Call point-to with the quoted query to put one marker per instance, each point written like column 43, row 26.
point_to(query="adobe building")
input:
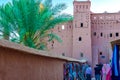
column 88, row 36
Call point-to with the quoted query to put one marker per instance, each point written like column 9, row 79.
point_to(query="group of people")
column 101, row 71
column 73, row 71
column 76, row 71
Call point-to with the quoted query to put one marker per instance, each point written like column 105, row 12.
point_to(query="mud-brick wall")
column 19, row 65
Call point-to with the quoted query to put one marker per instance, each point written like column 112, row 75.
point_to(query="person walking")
column 84, row 67
column 97, row 72
column 88, row 73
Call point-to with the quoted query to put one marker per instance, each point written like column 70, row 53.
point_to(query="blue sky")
column 97, row 6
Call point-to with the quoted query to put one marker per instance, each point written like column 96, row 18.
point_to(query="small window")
column 117, row 34
column 52, row 46
column 80, row 39
column 75, row 26
column 81, row 24
column 63, row 27
column 86, row 6
column 110, row 34
column 63, row 54
column 100, row 53
column 101, row 34
column 94, row 33
column 53, row 42
column 76, row 6
column 81, row 54
column 58, row 29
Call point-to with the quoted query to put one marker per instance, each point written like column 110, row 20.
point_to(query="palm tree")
column 5, row 19
column 29, row 22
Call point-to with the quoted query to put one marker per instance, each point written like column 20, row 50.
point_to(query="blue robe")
column 115, row 63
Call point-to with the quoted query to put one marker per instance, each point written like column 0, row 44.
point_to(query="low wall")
column 18, row 62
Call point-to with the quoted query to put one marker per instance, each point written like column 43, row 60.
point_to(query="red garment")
column 108, row 76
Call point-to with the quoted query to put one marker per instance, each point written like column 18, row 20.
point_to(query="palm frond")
column 53, row 36
column 57, row 9
column 26, row 22
column 47, row 3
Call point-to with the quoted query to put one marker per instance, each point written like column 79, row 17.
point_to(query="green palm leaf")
column 29, row 22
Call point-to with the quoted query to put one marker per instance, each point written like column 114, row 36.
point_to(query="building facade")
column 88, row 36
